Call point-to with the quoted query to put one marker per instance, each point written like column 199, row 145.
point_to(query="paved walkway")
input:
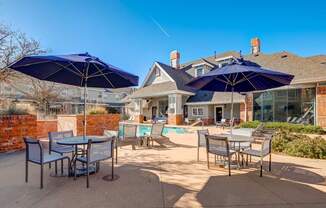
column 168, row 177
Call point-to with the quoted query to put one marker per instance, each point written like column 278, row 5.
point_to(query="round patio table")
column 82, row 140
column 234, row 138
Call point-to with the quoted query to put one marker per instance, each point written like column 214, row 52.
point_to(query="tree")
column 13, row 46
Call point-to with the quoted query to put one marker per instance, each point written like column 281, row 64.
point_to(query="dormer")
column 220, row 62
column 201, row 68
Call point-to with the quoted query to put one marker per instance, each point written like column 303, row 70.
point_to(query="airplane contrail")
column 160, row 27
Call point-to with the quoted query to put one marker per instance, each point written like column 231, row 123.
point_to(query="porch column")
column 139, row 116
column 175, row 115
column 321, row 106
column 246, row 108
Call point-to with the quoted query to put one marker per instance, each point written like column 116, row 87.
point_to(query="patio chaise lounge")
column 95, row 153
column 35, row 154
column 129, row 136
column 157, row 135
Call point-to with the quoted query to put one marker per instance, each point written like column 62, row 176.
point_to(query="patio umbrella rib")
column 105, row 77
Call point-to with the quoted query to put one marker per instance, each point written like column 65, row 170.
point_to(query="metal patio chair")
column 54, row 137
column 219, row 146
column 129, row 136
column 115, row 135
column 156, row 135
column 201, row 140
column 265, row 150
column 95, row 153
column 36, row 155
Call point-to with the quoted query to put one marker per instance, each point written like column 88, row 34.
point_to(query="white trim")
column 218, row 106
column 151, row 71
column 203, row 63
column 225, row 57
column 211, row 103
column 166, row 93
column 196, row 73
column 197, row 108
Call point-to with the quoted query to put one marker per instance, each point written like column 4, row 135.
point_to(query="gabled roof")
column 179, row 79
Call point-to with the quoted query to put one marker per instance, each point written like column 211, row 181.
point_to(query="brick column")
column 175, row 114
column 246, row 109
column 321, row 106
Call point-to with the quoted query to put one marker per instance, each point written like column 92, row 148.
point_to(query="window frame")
column 199, row 68
column 196, row 110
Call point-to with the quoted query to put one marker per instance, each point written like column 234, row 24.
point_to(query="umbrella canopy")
column 81, row 70
column 240, row 77
column 75, row 69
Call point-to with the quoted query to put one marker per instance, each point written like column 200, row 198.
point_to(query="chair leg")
column 62, row 167
column 87, row 179
column 207, row 160
column 26, row 171
column 112, row 169
column 49, row 165
column 198, row 154
column 75, row 170
column 261, row 167
column 116, row 154
column 229, row 164
column 69, row 166
column 41, row 176
column 56, row 167
column 270, row 162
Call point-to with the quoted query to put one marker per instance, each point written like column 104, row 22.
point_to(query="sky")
column 134, row 34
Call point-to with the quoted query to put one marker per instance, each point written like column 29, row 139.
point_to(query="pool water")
column 143, row 130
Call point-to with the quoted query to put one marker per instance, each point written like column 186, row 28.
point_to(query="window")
column 197, row 111
column 157, row 72
column 292, row 105
column 199, row 71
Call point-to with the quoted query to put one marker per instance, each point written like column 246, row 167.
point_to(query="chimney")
column 255, row 46
column 175, row 59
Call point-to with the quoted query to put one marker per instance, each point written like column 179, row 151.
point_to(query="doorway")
column 218, row 113
column 154, row 112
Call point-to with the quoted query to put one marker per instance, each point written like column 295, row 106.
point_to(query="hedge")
column 297, row 128
column 299, row 145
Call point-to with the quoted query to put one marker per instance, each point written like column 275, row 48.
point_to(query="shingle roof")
column 215, row 97
column 180, row 77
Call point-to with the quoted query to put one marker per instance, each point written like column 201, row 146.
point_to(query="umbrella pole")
column 85, row 98
column 232, row 120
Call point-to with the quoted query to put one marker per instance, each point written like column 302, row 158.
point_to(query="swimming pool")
column 146, row 130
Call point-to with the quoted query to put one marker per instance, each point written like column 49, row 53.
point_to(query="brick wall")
column 12, row 130
column 45, row 126
column 96, row 124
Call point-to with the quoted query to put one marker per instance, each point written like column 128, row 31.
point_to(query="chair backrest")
column 266, row 146
column 129, row 130
column 218, row 143
column 54, row 137
column 111, row 133
column 34, row 150
column 157, row 129
column 201, row 137
column 257, row 131
column 100, row 151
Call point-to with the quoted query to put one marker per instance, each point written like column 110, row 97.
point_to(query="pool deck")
column 168, row 177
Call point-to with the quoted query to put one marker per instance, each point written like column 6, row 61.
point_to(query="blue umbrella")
column 81, row 70
column 240, row 77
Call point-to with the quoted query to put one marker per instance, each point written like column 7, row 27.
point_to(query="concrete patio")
column 168, row 177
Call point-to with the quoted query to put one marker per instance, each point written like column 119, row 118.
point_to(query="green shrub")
column 97, row 110
column 299, row 145
column 297, row 128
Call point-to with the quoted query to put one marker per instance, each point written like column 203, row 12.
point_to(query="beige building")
column 164, row 94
